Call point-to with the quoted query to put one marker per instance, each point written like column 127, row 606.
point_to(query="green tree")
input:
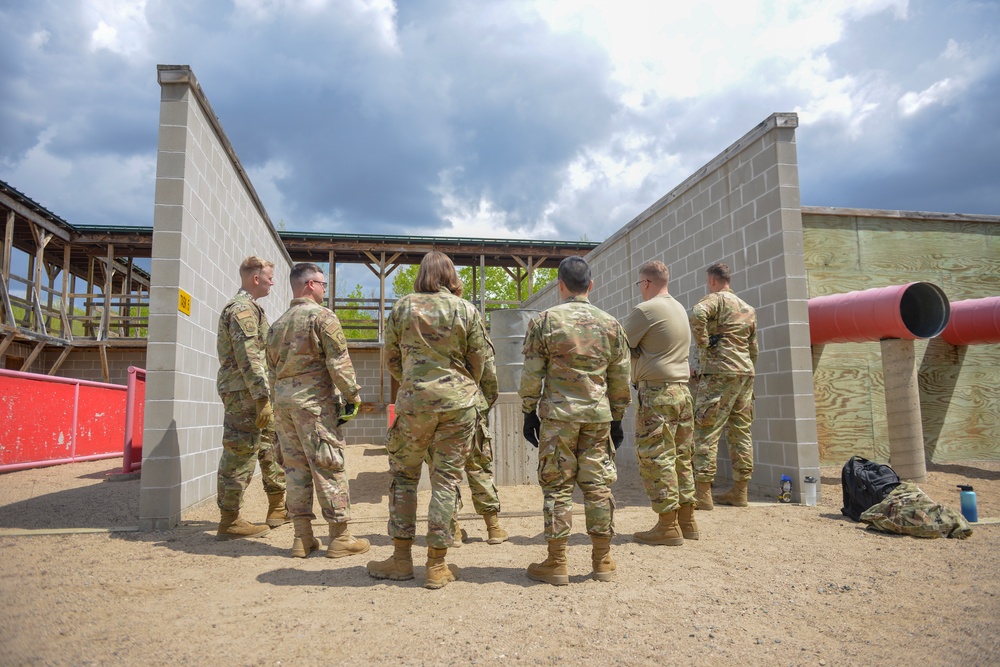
column 499, row 285
column 358, row 322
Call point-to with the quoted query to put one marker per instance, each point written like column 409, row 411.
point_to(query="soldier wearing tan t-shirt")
column 659, row 337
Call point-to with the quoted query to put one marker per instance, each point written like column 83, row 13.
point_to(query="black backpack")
column 865, row 483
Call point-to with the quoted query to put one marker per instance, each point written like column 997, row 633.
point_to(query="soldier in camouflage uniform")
column 724, row 329
column 659, row 338
column 436, row 348
column 574, row 391
column 315, row 391
column 479, row 465
column 247, row 431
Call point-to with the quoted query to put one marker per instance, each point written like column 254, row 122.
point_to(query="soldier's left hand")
column 617, row 434
column 264, row 413
column 351, row 411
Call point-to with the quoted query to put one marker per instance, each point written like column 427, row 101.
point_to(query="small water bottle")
column 809, row 492
column 785, row 490
column 968, row 499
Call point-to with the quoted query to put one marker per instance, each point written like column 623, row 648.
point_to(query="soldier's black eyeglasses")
column 641, row 282
column 319, row 282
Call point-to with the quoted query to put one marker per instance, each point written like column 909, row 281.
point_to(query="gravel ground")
column 769, row 584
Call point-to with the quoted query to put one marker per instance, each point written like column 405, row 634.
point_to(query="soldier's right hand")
column 264, row 413
column 532, row 426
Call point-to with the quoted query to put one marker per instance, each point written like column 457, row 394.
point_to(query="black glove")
column 532, row 426
column 714, row 339
column 617, row 434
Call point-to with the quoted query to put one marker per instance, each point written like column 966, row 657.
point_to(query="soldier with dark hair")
column 724, row 329
column 315, row 393
column 247, row 431
column 574, row 392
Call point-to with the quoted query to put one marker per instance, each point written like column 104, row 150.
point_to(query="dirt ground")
column 770, row 584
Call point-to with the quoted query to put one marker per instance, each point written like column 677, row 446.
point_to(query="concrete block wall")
column 207, row 218
column 741, row 208
column 370, row 426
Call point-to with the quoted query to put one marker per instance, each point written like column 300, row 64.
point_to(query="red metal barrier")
column 47, row 420
column 974, row 322
column 135, row 417
column 908, row 312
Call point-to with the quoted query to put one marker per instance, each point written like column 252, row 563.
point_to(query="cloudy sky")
column 549, row 119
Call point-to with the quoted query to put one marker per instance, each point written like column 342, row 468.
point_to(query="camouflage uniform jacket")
column 576, row 364
column 436, row 347
column 242, row 335
column 308, row 359
column 731, row 323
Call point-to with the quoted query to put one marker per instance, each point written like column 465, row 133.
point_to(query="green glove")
column 264, row 413
column 351, row 411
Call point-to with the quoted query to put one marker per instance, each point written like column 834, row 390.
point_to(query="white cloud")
column 475, row 216
column 39, row 39
column 674, row 50
column 99, row 189
column 119, row 25
column 940, row 92
column 375, row 16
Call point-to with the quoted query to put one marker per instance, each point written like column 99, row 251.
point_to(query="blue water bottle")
column 968, row 499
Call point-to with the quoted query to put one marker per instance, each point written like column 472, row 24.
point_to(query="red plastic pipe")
column 908, row 312
column 973, row 322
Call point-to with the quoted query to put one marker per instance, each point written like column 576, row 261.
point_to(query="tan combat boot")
column 494, row 533
column 604, row 565
column 304, row 542
column 703, row 496
column 459, row 536
column 398, row 566
column 342, row 543
column 231, row 527
column 666, row 532
column 438, row 573
column 277, row 515
column 689, row 527
column 736, row 496
column 553, row 569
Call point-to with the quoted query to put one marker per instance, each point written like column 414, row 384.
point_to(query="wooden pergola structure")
column 74, row 287
column 384, row 254
column 69, row 287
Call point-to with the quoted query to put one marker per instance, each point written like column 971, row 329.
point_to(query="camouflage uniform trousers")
column 577, row 452
column 243, row 445
column 664, row 445
column 479, row 471
column 312, row 449
column 447, row 438
column 723, row 401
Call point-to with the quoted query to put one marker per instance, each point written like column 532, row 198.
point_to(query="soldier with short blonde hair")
column 659, row 337
column 242, row 383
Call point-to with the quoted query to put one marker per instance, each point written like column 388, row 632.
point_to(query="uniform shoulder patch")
column 247, row 322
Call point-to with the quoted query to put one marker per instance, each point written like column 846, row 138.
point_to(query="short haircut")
column 302, row 273
column 437, row 271
column 720, row 271
column 656, row 272
column 254, row 264
column 574, row 272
